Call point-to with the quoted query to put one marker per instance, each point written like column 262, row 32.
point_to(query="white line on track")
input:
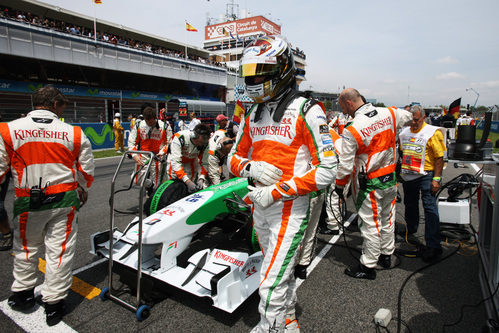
column 34, row 321
column 326, row 249
column 84, row 268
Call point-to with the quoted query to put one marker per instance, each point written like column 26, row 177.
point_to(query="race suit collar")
column 364, row 108
column 42, row 113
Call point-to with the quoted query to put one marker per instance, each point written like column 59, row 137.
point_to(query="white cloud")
column 487, row 84
column 447, row 60
column 450, row 76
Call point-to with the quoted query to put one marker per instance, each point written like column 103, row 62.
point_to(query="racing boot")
column 361, row 272
column 301, row 271
column 6, row 241
column 385, row 261
column 292, row 325
column 54, row 312
column 22, row 300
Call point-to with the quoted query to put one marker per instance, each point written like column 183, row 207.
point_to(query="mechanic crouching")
column 368, row 145
column 220, row 146
column 187, row 161
column 280, row 134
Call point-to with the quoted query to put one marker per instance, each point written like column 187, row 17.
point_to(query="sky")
column 394, row 51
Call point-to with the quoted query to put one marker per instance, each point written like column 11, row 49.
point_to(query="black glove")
column 339, row 192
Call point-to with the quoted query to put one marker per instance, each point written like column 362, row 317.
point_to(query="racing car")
column 152, row 245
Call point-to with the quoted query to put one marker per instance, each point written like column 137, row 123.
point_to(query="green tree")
column 481, row 108
column 328, row 105
column 381, row 105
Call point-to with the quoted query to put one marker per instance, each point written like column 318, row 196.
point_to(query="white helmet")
column 269, row 57
column 117, row 115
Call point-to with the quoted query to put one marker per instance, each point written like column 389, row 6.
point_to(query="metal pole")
column 95, row 23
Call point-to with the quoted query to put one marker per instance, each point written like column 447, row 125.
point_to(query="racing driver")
column 280, row 134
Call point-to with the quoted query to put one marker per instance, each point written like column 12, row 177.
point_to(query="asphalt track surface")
column 328, row 300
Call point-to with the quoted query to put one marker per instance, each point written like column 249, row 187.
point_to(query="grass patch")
column 105, row 153
column 493, row 137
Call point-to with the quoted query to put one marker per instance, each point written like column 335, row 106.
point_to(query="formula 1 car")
column 227, row 277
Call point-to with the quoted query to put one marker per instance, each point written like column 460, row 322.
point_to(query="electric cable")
column 341, row 208
column 127, row 189
column 461, row 316
column 401, row 290
column 471, row 305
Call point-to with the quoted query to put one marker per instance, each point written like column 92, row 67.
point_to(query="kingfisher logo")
column 283, row 130
column 366, row 131
column 229, row 259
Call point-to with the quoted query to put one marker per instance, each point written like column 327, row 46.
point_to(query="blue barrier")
column 101, row 134
column 494, row 127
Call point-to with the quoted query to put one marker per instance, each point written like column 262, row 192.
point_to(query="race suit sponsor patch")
column 326, row 139
column 323, row 129
column 328, row 151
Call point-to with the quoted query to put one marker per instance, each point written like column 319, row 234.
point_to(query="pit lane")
column 327, row 301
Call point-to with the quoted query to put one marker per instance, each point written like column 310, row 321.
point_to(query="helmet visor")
column 257, row 66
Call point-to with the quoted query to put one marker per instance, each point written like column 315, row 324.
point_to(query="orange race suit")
column 368, row 149
column 42, row 150
column 289, row 143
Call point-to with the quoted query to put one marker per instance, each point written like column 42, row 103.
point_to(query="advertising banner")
column 239, row 28
column 101, row 134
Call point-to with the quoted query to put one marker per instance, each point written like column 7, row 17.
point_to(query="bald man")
column 368, row 145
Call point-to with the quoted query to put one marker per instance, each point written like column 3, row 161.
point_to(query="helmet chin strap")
column 276, row 105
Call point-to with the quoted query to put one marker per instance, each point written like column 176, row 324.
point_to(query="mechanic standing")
column 52, row 168
column 118, row 131
column 369, row 147
column 186, row 160
column 280, row 134
column 150, row 135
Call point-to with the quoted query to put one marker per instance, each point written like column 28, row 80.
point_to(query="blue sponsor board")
column 494, row 127
column 101, row 134
column 31, row 87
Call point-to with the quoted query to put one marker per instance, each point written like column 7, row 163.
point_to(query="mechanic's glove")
column 82, row 195
column 262, row 196
column 201, row 184
column 191, row 187
column 262, row 172
column 267, row 195
column 161, row 158
column 339, row 192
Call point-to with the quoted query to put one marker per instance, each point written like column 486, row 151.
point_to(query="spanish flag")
column 238, row 112
column 99, row 2
column 189, row 27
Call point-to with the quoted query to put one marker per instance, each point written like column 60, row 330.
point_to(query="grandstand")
column 115, row 70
